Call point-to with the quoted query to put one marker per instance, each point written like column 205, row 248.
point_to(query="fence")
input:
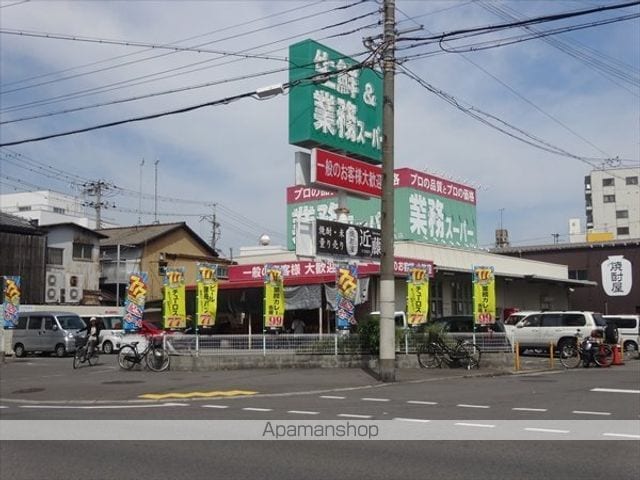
column 315, row 344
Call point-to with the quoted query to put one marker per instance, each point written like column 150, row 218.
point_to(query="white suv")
column 542, row 329
column 628, row 330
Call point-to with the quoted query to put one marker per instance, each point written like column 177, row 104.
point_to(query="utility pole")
column 215, row 227
column 155, row 210
column 387, row 280
column 140, row 195
column 95, row 189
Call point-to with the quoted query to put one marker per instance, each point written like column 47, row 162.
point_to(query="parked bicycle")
column 82, row 353
column 463, row 354
column 154, row 355
column 586, row 352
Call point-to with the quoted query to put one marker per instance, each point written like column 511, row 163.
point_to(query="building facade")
column 612, row 203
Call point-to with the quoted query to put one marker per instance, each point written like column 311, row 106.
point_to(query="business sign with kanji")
column 343, row 173
column 346, row 288
column 417, row 296
column 10, row 300
column 334, row 103
column 342, row 239
column 175, row 310
column 273, row 297
column 135, row 301
column 207, row 284
column 617, row 276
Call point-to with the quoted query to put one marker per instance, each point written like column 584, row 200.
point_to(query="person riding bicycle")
column 93, row 334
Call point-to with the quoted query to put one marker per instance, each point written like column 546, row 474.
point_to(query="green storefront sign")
column 419, row 216
column 342, row 111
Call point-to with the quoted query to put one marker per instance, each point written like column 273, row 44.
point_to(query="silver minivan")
column 46, row 332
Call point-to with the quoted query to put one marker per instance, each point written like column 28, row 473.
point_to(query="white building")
column 47, row 208
column 612, row 201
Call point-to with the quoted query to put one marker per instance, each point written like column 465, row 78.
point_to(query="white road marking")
column 215, row 406
column 332, row 397
column 586, row 412
column 420, row 402
column 623, row 435
column 546, row 430
column 104, row 407
column 419, row 420
column 352, row 415
column 302, row 412
column 482, row 425
column 525, row 409
column 369, row 399
column 464, row 405
column 250, row 409
column 614, row 390
column 3, row 406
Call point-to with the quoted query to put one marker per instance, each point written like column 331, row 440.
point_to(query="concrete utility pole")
column 387, row 280
column 95, row 189
column 155, row 195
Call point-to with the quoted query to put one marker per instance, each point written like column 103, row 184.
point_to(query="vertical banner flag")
column 484, row 295
column 417, row 296
column 11, row 301
column 207, row 283
column 175, row 309
column 134, row 303
column 273, row 297
column 347, row 286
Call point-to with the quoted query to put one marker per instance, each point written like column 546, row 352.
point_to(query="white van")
column 628, row 330
column 399, row 317
column 46, row 332
column 111, row 332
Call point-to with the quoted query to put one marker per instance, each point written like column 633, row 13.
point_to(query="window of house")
column 631, row 180
column 24, row 209
column 578, row 274
column 609, row 198
column 461, row 298
column 82, row 251
column 622, row 213
column 58, row 210
column 54, row 256
column 623, row 230
column 607, row 182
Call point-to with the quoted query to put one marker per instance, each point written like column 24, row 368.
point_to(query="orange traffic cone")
column 617, row 355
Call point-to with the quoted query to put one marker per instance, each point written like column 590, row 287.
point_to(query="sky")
column 78, row 64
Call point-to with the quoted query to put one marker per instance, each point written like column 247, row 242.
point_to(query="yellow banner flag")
column 484, row 295
column 273, row 298
column 207, row 283
column 417, row 296
column 175, row 311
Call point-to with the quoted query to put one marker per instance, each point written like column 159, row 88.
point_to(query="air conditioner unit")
column 73, row 288
column 52, row 287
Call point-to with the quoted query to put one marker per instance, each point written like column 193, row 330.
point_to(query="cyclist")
column 93, row 334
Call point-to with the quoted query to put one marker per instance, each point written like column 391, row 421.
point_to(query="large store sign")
column 617, row 276
column 343, row 173
column 428, row 209
column 341, row 239
column 332, row 104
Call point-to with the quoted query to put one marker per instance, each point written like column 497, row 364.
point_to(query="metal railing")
column 314, row 344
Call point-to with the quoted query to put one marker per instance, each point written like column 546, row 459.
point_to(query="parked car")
column 513, row 319
column 541, row 330
column 628, row 329
column 46, row 332
column 111, row 332
column 400, row 318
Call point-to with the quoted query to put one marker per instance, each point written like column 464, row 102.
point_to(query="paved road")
column 554, row 406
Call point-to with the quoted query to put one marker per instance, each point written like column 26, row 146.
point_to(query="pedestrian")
column 297, row 326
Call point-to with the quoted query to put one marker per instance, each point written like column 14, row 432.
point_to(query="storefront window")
column 435, row 294
column 461, row 299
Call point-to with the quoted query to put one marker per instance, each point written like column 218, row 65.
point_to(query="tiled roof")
column 12, row 223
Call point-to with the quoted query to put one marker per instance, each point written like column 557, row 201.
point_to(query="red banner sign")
column 337, row 171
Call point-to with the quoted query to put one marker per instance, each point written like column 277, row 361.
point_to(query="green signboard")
column 341, row 111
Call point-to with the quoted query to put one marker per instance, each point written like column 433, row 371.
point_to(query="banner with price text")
column 134, row 303
column 273, row 297
column 207, row 283
column 417, row 296
column 484, row 295
column 175, row 309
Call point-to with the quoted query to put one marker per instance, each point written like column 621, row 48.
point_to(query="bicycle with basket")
column 81, row 354
column 437, row 352
column 155, row 356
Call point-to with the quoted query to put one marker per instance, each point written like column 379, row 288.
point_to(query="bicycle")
column 437, row 352
column 81, row 354
column 155, row 356
column 585, row 352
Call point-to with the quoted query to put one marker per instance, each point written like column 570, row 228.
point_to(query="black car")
column 464, row 324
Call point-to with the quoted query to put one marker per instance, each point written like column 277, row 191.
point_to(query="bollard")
column 551, row 355
column 517, row 357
